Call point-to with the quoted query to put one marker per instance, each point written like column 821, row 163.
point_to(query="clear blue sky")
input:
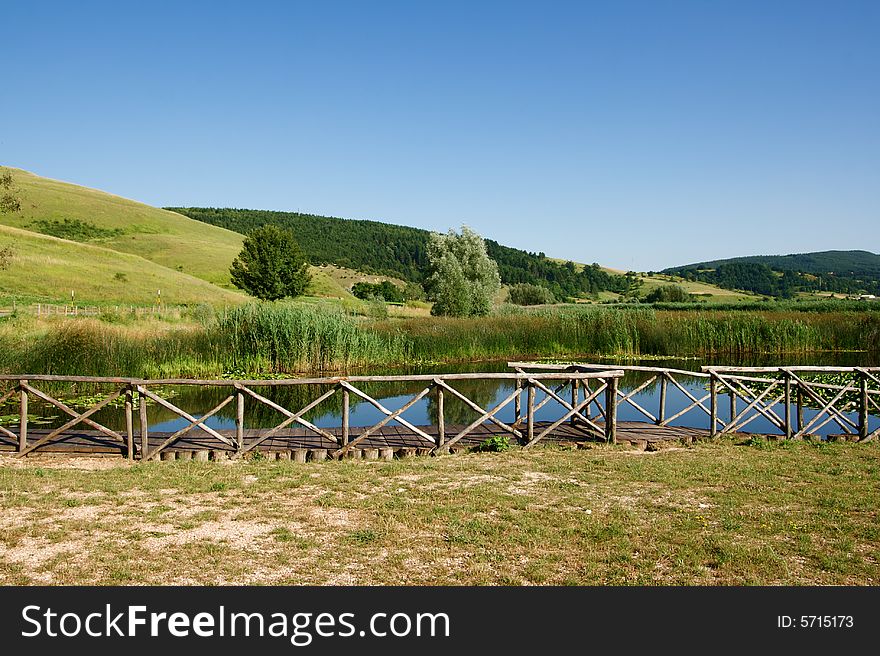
column 635, row 134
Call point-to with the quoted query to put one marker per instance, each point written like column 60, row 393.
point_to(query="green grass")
column 166, row 238
column 46, row 269
column 300, row 337
column 713, row 514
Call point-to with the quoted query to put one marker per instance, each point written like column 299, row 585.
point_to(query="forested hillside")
column 849, row 272
column 401, row 251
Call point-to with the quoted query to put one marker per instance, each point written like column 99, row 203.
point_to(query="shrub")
column 528, row 294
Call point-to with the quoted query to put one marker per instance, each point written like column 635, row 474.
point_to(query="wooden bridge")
column 586, row 398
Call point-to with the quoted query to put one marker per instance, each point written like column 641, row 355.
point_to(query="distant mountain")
column 849, row 272
column 401, row 251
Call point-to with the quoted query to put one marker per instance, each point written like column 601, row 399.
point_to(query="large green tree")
column 271, row 265
column 462, row 279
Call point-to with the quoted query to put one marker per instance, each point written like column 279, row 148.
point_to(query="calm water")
column 198, row 401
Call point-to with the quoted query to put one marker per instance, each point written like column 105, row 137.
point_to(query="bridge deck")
column 78, row 441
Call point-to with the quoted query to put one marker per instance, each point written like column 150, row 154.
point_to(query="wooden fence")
column 600, row 386
column 761, row 390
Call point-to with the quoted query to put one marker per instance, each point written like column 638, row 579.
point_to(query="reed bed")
column 289, row 338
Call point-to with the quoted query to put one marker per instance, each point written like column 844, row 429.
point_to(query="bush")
column 528, row 294
column 383, row 291
column 668, row 294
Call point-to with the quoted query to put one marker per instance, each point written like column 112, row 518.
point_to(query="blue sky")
column 635, row 134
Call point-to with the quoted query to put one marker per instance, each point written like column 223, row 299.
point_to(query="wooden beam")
column 611, row 411
column 129, row 423
column 23, row 417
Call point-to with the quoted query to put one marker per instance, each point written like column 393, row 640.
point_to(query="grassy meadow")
column 719, row 513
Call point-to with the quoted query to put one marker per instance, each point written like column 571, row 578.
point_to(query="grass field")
column 703, row 291
column 166, row 238
column 716, row 513
column 46, row 269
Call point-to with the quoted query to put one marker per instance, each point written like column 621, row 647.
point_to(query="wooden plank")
column 585, row 365
column 142, row 412
column 345, row 416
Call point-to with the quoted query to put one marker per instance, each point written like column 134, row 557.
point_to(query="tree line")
column 401, row 251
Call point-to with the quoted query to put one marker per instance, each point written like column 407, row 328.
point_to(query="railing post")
column 441, row 418
column 142, row 413
column 800, row 408
column 345, row 416
column 732, row 408
column 575, row 397
column 129, row 423
column 239, row 419
column 587, row 392
column 530, row 433
column 661, row 415
column 863, row 407
column 517, row 402
column 713, row 405
column 787, row 405
column 23, row 417
column 611, row 411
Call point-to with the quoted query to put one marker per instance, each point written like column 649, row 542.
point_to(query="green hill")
column 47, row 269
column 401, row 251
column 88, row 215
column 847, row 272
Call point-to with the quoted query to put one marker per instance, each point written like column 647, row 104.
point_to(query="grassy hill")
column 71, row 237
column 171, row 240
column 46, row 269
column 823, row 272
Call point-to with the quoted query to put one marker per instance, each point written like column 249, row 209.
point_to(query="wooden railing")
column 762, row 390
column 140, row 391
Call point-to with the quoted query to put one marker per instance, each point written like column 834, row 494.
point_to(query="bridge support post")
column 129, row 423
column 863, row 406
column 661, row 415
column 713, row 405
column 441, row 419
column 530, row 434
column 23, row 418
column 239, row 420
column 345, row 416
column 787, row 406
column 575, row 397
column 611, row 411
column 145, row 438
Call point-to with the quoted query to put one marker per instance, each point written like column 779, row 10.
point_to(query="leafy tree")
column 385, row 291
column 668, row 294
column 526, row 294
column 8, row 200
column 270, row 265
column 462, row 278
